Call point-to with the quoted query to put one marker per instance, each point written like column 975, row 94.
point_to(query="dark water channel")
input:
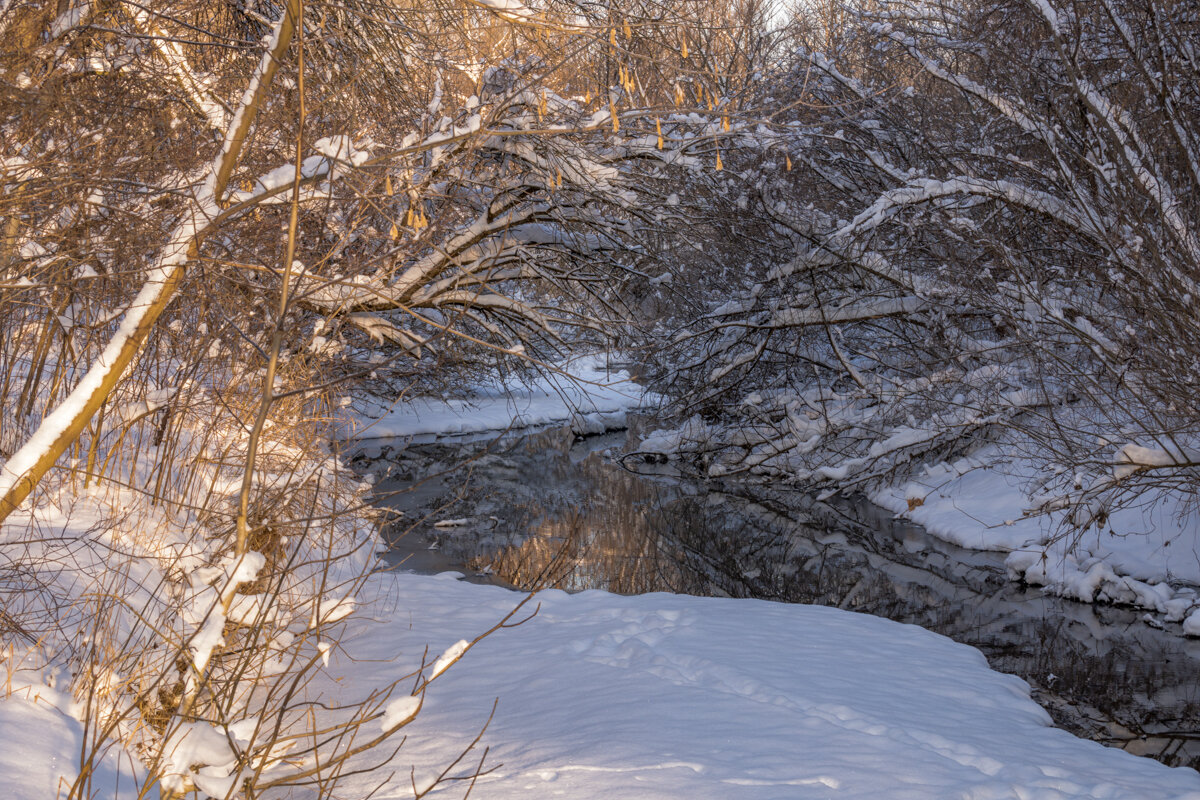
column 545, row 511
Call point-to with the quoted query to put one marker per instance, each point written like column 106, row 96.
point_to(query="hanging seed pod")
column 658, row 130
column 683, row 51
column 387, row 185
column 678, row 95
column 628, row 32
column 394, row 233
column 725, row 123
column 720, row 166
column 612, row 36
column 787, row 161
column 612, row 110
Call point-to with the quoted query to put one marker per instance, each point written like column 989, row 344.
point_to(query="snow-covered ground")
column 1147, row 555
column 39, row 759
column 584, row 393
column 666, row 696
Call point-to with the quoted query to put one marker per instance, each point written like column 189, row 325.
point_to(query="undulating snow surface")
column 666, row 696
column 585, row 394
column 39, row 758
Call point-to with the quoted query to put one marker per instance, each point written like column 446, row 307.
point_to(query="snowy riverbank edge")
column 667, row 696
column 1146, row 556
column 585, row 392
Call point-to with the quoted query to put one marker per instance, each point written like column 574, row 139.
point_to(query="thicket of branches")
column 982, row 226
column 219, row 220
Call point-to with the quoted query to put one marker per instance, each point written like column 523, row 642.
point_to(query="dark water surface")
column 542, row 511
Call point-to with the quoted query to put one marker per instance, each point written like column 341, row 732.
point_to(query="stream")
column 544, row 510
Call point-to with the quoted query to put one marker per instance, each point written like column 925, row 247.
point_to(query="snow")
column 582, row 393
column 668, row 696
column 670, row 442
column 1133, row 458
column 1146, row 555
column 55, row 426
column 665, row 696
column 191, row 744
column 210, row 636
column 69, row 19
column 40, row 756
column 453, row 653
column 54, row 433
column 400, row 710
column 332, row 609
column 510, row 9
column 245, row 569
column 660, row 696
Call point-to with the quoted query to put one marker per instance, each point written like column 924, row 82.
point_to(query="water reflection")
column 540, row 511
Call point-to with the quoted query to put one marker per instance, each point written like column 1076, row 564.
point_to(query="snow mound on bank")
column 585, row 394
column 666, row 696
column 1146, row 555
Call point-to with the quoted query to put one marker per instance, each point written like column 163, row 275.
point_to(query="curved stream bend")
column 541, row 511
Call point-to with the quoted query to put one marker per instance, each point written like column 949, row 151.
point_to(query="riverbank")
column 1145, row 555
column 665, row 696
column 590, row 393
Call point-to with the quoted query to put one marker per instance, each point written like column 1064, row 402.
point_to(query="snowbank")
column 666, row 696
column 585, row 394
column 40, row 756
column 1146, row 556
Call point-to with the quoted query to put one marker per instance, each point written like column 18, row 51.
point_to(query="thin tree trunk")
column 25, row 469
